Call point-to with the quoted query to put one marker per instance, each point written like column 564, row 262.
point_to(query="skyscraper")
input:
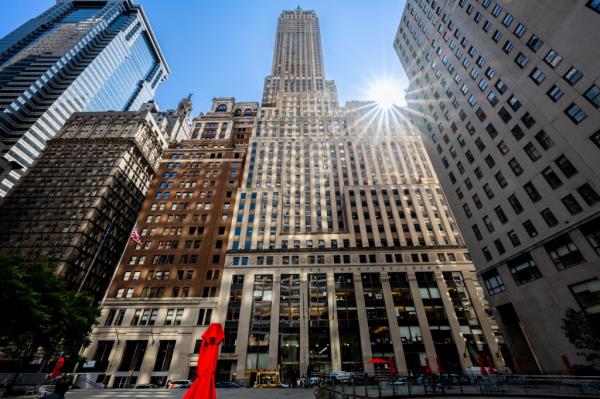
column 77, row 56
column 342, row 246
column 77, row 203
column 165, row 290
column 508, row 104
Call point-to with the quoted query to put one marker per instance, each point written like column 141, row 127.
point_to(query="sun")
column 386, row 93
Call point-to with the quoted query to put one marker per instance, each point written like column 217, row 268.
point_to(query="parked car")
column 176, row 384
column 144, row 386
column 340, row 376
column 401, row 381
column 228, row 384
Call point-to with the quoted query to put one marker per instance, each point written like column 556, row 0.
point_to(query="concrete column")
column 148, row 362
column 484, row 321
column 303, row 324
column 365, row 338
column 220, row 312
column 393, row 324
column 115, row 358
column 274, row 329
column 241, row 346
column 334, row 333
column 459, row 341
column 423, row 323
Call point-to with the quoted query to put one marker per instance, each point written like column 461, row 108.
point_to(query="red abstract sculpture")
column 203, row 386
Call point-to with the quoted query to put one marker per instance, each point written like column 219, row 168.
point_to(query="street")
column 178, row 393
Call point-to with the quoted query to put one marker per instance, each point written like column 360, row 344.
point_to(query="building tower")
column 342, row 247
column 164, row 291
column 78, row 56
column 508, row 105
column 81, row 196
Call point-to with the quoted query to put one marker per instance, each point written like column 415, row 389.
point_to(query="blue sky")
column 225, row 48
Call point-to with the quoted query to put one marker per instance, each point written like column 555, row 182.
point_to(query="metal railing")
column 461, row 385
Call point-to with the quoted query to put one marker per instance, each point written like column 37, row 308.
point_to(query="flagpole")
column 89, row 269
column 117, row 267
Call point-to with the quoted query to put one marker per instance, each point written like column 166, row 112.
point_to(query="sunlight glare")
column 386, row 93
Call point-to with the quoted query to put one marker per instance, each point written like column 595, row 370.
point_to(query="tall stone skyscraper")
column 78, row 56
column 342, row 247
column 507, row 94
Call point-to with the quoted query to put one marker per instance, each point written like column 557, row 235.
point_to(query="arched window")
column 222, row 108
column 238, row 112
column 247, row 112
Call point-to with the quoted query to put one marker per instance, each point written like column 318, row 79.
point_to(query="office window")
column 499, row 246
column 515, row 166
column 519, row 30
column 552, row 178
column 544, row 140
column 537, row 75
column 589, row 195
column 486, row 253
column 521, row 60
column 503, row 148
column 591, row 231
column 530, row 228
column 516, row 205
column 564, row 252
column 487, row 26
column 501, row 179
column 573, row 75
column 496, row 36
column 555, row 93
column 524, row 269
column 497, row 10
column 507, row 20
column 552, row 58
column 477, row 232
column 533, row 193
column 587, row 293
column 595, row 138
column 535, row 43
column 501, row 86
column 514, row 102
column 508, row 46
column 532, row 152
column 493, row 282
column 501, row 215
column 514, row 238
column 517, row 132
column 575, row 113
column 504, row 115
column 593, row 95
column 571, row 204
column 549, row 217
column 565, row 166
column 528, row 120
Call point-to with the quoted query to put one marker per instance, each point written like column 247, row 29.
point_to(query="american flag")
column 135, row 235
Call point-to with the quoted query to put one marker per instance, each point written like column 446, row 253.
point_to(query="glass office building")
column 76, row 56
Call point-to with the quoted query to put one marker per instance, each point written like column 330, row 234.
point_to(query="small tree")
column 582, row 334
column 40, row 313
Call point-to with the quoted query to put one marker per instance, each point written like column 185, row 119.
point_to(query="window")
column 499, row 246
column 524, row 269
column 593, row 95
column 507, row 20
column 587, row 293
column 528, row 120
column 517, row 132
column 496, row 36
column 503, row 148
column 571, row 204
column 591, row 231
column 573, row 75
column 515, row 166
column 532, row 192
column 520, row 30
column 575, row 113
column 596, row 138
column 501, row 179
column 501, row 215
column 514, row 238
column 532, row 152
column 552, row 178
column 497, row 10
column 553, row 58
column 530, row 228
column 549, row 217
column 508, row 46
column 504, row 115
column 555, row 93
column 537, row 75
column 589, row 195
column 565, row 166
column 594, row 5
column 563, row 252
column 535, row 43
column 544, row 140
column 493, row 282
column 516, row 205
column 221, row 108
column 514, row 103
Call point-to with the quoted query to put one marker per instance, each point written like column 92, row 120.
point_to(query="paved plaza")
column 245, row 393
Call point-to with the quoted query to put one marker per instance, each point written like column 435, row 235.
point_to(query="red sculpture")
column 203, row 386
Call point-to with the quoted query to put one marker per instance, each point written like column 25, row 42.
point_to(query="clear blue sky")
column 225, row 48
